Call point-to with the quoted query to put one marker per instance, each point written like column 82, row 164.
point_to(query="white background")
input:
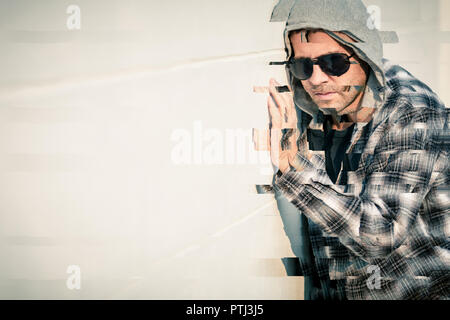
column 86, row 120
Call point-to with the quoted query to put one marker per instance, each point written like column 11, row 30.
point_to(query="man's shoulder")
column 408, row 98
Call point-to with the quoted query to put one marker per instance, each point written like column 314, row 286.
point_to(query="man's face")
column 330, row 92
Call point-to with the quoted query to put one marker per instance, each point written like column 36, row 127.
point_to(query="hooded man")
column 360, row 148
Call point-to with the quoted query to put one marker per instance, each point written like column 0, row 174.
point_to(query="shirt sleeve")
column 395, row 179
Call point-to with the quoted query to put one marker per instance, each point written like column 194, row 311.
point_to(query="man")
column 360, row 150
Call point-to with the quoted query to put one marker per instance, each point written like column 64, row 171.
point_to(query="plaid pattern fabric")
column 384, row 232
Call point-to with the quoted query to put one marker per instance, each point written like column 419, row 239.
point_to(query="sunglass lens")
column 334, row 64
column 302, row 69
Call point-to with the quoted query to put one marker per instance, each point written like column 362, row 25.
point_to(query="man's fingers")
column 285, row 103
column 261, row 140
column 290, row 107
column 292, row 113
column 278, row 98
column 275, row 136
column 285, row 95
column 274, row 113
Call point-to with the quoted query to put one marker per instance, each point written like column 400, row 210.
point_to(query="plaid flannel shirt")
column 383, row 233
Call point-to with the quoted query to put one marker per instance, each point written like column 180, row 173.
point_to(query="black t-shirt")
column 334, row 143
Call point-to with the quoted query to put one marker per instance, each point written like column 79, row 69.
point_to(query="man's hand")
column 282, row 115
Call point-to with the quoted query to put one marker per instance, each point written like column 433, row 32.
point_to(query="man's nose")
column 318, row 77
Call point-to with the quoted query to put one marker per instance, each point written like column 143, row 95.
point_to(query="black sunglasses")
column 333, row 64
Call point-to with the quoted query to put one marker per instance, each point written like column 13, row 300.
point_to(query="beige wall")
column 86, row 120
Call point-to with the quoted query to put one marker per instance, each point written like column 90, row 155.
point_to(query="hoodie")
column 347, row 16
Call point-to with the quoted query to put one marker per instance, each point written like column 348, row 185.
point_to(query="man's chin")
column 329, row 108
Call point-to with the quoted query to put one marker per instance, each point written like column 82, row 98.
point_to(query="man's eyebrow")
column 328, row 52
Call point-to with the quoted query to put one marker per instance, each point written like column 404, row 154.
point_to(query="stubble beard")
column 340, row 105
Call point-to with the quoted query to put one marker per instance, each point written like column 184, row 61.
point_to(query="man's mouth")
column 324, row 95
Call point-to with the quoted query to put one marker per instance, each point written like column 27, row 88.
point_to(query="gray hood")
column 347, row 16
